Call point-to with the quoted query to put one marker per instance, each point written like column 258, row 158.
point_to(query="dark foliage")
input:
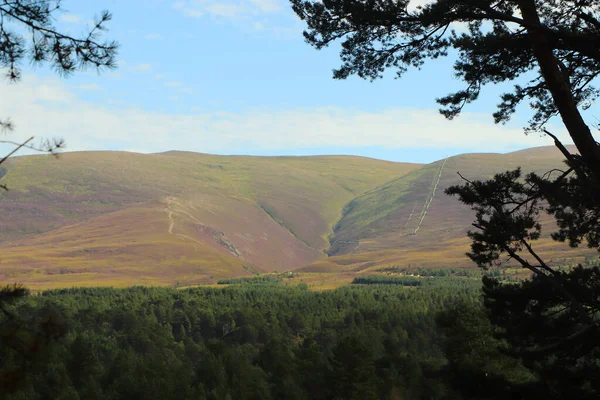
column 551, row 320
column 244, row 341
column 266, row 279
column 549, row 50
column 377, row 35
column 550, row 330
column 387, row 280
column 27, row 32
column 24, row 338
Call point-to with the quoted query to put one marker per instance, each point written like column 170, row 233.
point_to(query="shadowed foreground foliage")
column 260, row 339
column 253, row 340
column 549, row 51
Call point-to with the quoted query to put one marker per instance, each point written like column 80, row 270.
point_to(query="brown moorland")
column 118, row 218
column 410, row 222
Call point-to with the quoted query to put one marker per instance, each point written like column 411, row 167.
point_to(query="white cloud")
column 225, row 10
column 266, row 16
column 229, row 8
column 88, row 126
column 268, row 6
column 71, row 18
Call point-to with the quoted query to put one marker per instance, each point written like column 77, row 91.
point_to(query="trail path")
column 170, row 202
column 182, row 210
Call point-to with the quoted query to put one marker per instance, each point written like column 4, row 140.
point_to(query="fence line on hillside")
column 410, row 216
column 430, row 199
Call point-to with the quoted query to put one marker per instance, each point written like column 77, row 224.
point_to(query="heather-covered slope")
column 126, row 218
column 117, row 218
column 410, row 221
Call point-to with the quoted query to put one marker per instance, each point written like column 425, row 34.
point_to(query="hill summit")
column 119, row 218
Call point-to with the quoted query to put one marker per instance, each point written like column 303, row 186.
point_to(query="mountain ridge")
column 214, row 203
column 121, row 218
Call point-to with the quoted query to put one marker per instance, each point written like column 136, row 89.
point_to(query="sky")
column 237, row 77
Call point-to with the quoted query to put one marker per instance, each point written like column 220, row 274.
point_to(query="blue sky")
column 236, row 77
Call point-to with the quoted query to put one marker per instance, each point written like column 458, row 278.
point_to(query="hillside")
column 410, row 221
column 120, row 218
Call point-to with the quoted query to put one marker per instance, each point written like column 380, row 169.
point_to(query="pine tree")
column 550, row 51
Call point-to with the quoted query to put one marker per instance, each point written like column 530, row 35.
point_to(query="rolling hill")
column 117, row 218
column 410, row 221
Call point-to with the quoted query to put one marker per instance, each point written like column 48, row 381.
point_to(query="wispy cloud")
column 88, row 126
column 71, row 18
column 274, row 17
column 228, row 8
column 268, row 5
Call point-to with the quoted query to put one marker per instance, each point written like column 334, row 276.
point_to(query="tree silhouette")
column 27, row 32
column 550, row 51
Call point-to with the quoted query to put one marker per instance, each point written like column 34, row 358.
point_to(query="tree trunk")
column 560, row 89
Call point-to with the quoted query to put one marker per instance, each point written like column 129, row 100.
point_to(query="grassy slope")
column 130, row 246
column 376, row 228
column 116, row 218
column 124, row 218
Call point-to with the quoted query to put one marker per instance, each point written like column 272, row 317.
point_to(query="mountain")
column 410, row 221
column 118, row 218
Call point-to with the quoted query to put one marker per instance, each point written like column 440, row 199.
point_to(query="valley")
column 179, row 218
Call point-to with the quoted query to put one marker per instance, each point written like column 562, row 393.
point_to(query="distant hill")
column 410, row 221
column 118, row 218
